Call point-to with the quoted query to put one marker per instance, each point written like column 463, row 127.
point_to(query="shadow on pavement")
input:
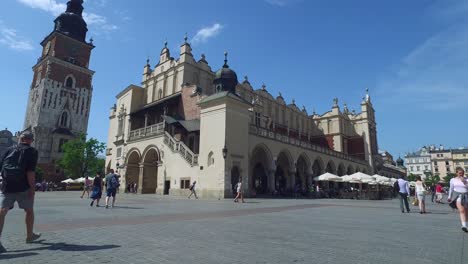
column 127, row 207
column 13, row 256
column 65, row 247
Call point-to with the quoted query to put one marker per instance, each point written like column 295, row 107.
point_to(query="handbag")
column 415, row 202
column 453, row 203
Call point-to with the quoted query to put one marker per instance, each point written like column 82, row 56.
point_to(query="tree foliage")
column 449, row 177
column 411, row 177
column 80, row 157
column 432, row 179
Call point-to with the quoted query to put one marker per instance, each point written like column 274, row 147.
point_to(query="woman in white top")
column 421, row 194
column 239, row 191
column 459, row 193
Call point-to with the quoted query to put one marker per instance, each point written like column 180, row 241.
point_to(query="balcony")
column 149, row 131
column 262, row 132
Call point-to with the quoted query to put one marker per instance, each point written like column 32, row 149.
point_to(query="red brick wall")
column 190, row 109
column 59, row 72
column 356, row 147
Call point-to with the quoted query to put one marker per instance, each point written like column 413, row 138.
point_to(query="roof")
column 222, row 94
column 460, row 151
column 164, row 99
column 190, row 125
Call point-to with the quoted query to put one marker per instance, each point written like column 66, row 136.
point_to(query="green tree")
column 432, row 179
column 80, row 157
column 449, row 177
column 411, row 177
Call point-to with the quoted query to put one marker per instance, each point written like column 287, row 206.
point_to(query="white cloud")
column 9, row 37
column 55, row 8
column 206, row 33
column 434, row 75
column 276, row 2
column 281, row 3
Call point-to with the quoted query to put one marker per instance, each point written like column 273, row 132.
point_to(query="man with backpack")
column 17, row 166
column 192, row 190
column 112, row 184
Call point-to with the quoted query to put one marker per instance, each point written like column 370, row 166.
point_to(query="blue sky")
column 412, row 55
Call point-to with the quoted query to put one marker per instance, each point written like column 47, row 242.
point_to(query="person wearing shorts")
column 23, row 190
column 110, row 190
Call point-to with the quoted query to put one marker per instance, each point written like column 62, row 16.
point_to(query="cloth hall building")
column 187, row 122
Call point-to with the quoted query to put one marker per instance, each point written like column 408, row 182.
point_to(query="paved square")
column 157, row 229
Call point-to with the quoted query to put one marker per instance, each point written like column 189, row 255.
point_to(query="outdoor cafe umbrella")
column 327, row 177
column 359, row 176
column 68, row 181
column 380, row 178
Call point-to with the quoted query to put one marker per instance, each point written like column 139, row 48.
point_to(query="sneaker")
column 33, row 238
column 107, row 207
column 97, row 205
column 91, row 204
column 2, row 249
column 464, row 228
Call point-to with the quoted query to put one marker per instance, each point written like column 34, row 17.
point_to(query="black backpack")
column 14, row 170
column 396, row 186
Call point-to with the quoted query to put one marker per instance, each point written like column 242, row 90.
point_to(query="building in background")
column 7, row 139
column 60, row 94
column 460, row 158
column 391, row 168
column 419, row 162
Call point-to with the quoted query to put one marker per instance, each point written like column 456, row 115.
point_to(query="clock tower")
column 60, row 93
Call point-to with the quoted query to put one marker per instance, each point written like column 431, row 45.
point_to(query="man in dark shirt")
column 23, row 192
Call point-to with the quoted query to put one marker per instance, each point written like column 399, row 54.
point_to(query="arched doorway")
column 150, row 171
column 330, row 167
column 259, row 165
column 317, row 168
column 341, row 170
column 260, row 179
column 302, row 166
column 350, row 170
column 234, row 178
column 132, row 168
column 283, row 175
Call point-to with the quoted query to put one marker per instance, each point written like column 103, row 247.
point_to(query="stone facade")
column 179, row 127
column 7, row 140
column 419, row 162
column 60, row 94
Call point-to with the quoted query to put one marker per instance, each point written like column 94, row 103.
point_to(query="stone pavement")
column 158, row 229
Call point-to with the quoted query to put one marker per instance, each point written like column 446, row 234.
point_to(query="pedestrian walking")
column 421, row 194
column 135, row 187
column 458, row 194
column 112, row 184
column 433, row 193
column 87, row 187
column 439, row 192
column 403, row 189
column 97, row 189
column 17, row 166
column 192, row 190
column 239, row 191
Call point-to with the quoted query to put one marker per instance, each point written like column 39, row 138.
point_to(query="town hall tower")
column 60, row 93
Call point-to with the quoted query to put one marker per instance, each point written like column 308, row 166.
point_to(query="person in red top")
column 439, row 193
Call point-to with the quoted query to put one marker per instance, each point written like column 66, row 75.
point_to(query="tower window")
column 64, row 120
column 69, row 82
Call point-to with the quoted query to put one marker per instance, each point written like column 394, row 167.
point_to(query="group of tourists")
column 457, row 196
column 132, row 187
column 111, row 182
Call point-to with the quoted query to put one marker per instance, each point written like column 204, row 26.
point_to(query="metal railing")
column 181, row 148
column 156, row 129
column 262, row 132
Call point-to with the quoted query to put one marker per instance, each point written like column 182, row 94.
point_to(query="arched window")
column 64, row 120
column 69, row 82
column 210, row 159
column 159, row 94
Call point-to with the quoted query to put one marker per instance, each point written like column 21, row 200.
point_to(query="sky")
column 411, row 55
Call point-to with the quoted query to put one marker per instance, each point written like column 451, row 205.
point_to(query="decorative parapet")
column 156, row 129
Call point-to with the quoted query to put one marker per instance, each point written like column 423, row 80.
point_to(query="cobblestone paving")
column 157, row 229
